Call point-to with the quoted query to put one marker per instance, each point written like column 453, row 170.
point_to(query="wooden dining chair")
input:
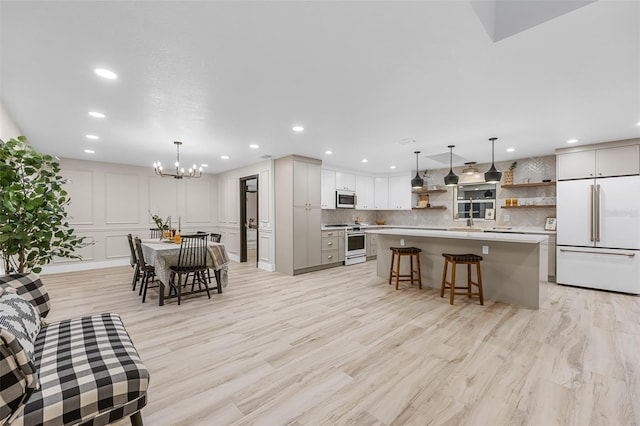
column 216, row 238
column 192, row 261
column 148, row 271
column 133, row 260
column 155, row 232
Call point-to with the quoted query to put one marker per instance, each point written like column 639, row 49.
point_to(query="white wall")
column 8, row 128
column 109, row 201
column 229, row 211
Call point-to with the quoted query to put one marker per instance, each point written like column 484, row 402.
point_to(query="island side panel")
column 511, row 272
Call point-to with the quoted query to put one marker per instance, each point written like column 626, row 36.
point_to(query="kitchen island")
column 513, row 271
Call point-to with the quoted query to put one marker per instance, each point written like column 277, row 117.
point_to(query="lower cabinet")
column 372, row 245
column 332, row 247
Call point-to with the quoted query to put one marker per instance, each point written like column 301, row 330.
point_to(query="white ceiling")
column 359, row 76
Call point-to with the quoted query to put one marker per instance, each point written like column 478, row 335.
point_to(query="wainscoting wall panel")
column 198, row 199
column 122, row 198
column 116, row 246
column 79, row 186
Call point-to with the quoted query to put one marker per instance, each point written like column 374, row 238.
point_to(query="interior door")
column 574, row 213
column 619, row 218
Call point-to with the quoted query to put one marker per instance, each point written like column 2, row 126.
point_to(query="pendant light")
column 451, row 179
column 417, row 182
column 493, row 175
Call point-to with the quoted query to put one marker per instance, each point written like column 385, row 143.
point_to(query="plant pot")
column 508, row 177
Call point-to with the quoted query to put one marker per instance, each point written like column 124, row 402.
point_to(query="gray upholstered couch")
column 79, row 371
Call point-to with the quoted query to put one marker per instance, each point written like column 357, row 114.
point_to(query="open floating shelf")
column 535, row 206
column 429, row 191
column 430, row 208
column 530, row 185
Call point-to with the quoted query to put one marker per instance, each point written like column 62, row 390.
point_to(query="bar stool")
column 463, row 259
column 398, row 252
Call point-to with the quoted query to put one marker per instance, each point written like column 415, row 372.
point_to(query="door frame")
column 243, row 217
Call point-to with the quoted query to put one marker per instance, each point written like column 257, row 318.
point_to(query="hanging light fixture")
column 492, row 175
column 179, row 172
column 451, row 179
column 471, row 168
column 417, row 182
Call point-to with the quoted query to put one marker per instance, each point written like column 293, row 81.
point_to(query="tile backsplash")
column 535, row 169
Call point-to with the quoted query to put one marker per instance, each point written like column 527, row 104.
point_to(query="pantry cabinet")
column 604, row 162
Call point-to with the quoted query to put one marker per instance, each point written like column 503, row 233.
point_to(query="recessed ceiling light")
column 96, row 114
column 89, row 151
column 572, row 141
column 204, row 165
column 224, row 157
column 105, row 73
column 510, row 149
column 638, row 123
column 392, row 167
column 364, row 160
column 298, row 128
column 93, row 137
column 328, row 152
column 254, row 146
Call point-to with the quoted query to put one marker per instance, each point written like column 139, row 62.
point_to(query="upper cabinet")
column 346, row 181
column 364, row 193
column 400, row 192
column 620, row 161
column 328, row 200
column 306, row 181
column 604, row 162
column 381, row 193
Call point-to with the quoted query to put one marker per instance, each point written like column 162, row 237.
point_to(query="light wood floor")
column 341, row 346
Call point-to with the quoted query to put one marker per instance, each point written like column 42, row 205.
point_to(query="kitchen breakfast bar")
column 514, row 266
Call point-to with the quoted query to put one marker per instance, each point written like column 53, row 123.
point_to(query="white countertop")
column 461, row 235
column 508, row 230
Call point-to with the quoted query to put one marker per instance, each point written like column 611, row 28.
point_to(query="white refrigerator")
column 598, row 233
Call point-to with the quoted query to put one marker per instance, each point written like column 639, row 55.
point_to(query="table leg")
column 161, row 291
column 217, row 274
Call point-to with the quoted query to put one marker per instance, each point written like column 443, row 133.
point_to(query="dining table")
column 164, row 253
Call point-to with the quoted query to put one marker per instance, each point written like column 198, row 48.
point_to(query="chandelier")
column 179, row 172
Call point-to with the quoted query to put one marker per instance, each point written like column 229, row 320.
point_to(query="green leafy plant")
column 33, row 220
column 158, row 221
column 513, row 166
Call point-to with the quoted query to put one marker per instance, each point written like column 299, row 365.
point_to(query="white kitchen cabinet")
column 381, row 193
column 604, row 162
column 576, row 165
column 365, row 193
column 346, row 181
column 400, row 192
column 619, row 161
column 297, row 214
column 328, row 200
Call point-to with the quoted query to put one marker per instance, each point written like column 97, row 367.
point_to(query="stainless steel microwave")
column 345, row 199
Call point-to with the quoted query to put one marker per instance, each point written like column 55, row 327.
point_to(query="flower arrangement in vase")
column 508, row 174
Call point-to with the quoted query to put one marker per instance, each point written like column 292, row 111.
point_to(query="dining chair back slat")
column 133, row 260
column 192, row 260
column 216, row 238
column 155, row 232
column 147, row 271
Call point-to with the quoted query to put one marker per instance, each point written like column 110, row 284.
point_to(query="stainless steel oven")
column 355, row 247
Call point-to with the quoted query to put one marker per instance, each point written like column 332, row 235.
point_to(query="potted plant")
column 33, row 220
column 508, row 174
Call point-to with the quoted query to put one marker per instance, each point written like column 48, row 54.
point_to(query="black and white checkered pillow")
column 31, row 288
column 19, row 327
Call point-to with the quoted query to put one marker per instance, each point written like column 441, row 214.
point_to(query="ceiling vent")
column 266, row 156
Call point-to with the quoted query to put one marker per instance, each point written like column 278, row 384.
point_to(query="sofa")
column 82, row 371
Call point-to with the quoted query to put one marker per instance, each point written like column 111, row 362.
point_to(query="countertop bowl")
column 380, row 222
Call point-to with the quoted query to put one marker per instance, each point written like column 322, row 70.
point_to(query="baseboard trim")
column 269, row 267
column 83, row 266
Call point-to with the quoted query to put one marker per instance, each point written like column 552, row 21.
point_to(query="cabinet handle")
column 330, row 243
column 329, row 233
column 330, row 257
